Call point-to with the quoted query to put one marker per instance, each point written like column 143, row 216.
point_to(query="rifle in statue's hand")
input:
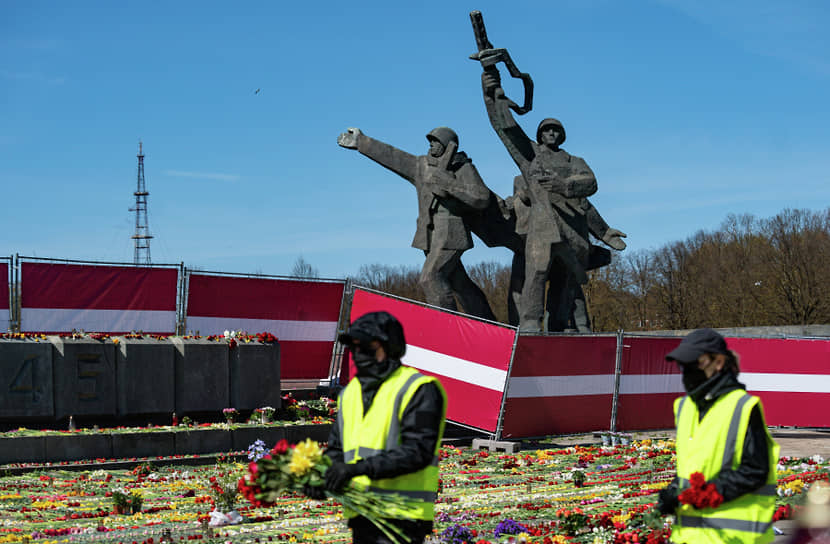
column 489, row 56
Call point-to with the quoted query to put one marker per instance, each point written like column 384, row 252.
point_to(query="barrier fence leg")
column 617, row 372
column 16, row 288
column 500, row 420
column 180, row 317
column 337, row 353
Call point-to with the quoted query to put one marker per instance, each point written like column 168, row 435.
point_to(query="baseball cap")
column 696, row 344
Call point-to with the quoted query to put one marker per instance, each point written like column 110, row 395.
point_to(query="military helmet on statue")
column 445, row 135
column 550, row 121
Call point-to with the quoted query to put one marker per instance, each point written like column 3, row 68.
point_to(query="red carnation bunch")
column 701, row 494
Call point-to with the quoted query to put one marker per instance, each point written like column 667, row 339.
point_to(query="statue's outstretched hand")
column 350, row 138
column 614, row 238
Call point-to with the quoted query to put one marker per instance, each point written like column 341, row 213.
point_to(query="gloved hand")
column 318, row 493
column 667, row 502
column 339, row 474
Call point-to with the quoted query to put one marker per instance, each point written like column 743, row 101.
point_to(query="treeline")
column 749, row 272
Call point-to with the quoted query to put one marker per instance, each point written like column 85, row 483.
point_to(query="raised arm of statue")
column 402, row 163
column 511, row 134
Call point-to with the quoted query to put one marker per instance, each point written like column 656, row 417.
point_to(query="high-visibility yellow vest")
column 709, row 446
column 379, row 430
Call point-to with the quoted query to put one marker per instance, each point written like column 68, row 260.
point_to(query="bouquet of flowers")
column 700, row 494
column 224, row 490
column 230, row 414
column 292, row 467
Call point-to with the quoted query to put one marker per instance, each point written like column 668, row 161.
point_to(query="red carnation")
column 697, row 479
column 701, row 494
column 281, row 447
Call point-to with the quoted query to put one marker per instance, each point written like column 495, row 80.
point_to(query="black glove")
column 667, row 502
column 316, row 492
column 339, row 474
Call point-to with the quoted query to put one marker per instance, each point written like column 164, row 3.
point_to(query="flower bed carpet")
column 485, row 496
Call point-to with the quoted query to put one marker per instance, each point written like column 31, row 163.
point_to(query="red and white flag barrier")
column 648, row 384
column 470, row 357
column 302, row 314
column 59, row 297
column 792, row 377
column 4, row 297
column 559, row 385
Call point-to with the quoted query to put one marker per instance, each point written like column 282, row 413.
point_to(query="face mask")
column 364, row 357
column 693, row 377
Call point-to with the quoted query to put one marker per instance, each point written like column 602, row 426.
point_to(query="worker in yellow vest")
column 726, row 458
column 388, row 431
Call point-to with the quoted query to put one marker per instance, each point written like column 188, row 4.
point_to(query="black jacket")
column 419, row 429
column 752, row 473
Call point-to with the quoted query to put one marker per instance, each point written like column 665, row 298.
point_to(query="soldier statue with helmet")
column 553, row 215
column 449, row 191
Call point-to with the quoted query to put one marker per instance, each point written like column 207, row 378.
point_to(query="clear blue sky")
column 686, row 111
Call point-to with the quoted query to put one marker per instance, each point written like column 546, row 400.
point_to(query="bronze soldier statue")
column 449, row 190
column 553, row 214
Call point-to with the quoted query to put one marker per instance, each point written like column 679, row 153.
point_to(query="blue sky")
column 686, row 111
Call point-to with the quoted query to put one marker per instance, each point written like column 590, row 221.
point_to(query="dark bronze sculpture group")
column 546, row 223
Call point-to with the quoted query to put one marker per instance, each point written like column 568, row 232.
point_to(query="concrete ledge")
column 26, row 380
column 26, row 449
column 75, row 447
column 104, row 445
column 145, row 371
column 202, row 375
column 298, row 433
column 84, row 377
column 255, row 375
column 147, row 444
column 245, row 436
column 202, row 441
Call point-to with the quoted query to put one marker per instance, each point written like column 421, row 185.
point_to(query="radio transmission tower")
column 142, row 230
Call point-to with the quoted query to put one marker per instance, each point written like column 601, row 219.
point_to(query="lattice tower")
column 142, row 230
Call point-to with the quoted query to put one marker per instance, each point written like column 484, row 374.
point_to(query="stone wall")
column 52, row 379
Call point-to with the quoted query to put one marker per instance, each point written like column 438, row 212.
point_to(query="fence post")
column 617, row 373
column 180, row 315
column 500, row 420
column 337, row 354
column 16, row 301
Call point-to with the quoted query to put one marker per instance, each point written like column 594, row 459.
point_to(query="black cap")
column 381, row 326
column 696, row 344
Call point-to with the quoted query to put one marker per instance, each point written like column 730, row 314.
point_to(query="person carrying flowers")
column 388, row 431
column 724, row 490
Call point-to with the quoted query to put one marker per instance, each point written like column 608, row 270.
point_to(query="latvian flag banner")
column 302, row 314
column 470, row 357
column 4, row 297
column 113, row 299
column 560, row 385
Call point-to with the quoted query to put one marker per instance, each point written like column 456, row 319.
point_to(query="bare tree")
column 798, row 260
column 494, row 279
column 303, row 269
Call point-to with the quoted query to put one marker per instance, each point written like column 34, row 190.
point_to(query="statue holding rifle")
column 553, row 214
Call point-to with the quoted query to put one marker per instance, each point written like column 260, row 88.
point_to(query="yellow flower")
column 304, row 457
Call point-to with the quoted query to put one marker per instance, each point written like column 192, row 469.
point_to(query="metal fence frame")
column 334, row 368
column 12, row 294
column 20, row 259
